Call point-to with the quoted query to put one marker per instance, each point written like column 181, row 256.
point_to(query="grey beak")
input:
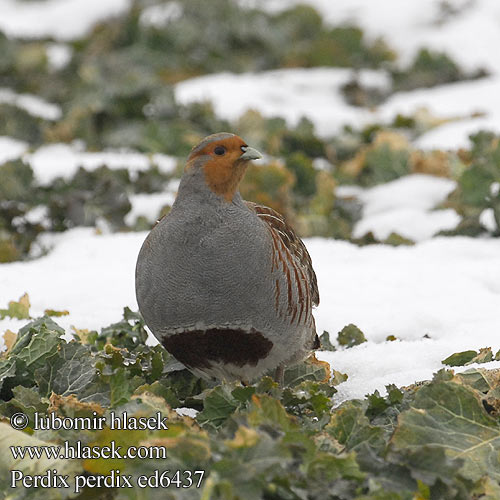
column 249, row 153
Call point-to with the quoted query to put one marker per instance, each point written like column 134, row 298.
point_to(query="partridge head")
column 226, row 285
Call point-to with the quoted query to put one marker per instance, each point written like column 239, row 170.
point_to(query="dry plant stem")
column 279, row 375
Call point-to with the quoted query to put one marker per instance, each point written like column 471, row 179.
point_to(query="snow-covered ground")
column 33, row 104
column 289, row 93
column 468, row 30
column 446, row 288
column 405, row 206
column 63, row 160
column 470, row 33
column 468, row 107
column 11, row 149
column 60, row 19
column 457, row 109
column 150, row 205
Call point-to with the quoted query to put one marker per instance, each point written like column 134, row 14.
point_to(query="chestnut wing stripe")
column 277, row 306
column 300, row 296
column 304, row 304
column 308, row 299
column 293, row 242
column 290, row 262
column 277, row 244
column 270, row 216
column 286, row 240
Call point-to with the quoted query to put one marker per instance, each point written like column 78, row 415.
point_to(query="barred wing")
column 295, row 249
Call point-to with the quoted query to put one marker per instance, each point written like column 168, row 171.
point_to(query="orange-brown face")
column 225, row 166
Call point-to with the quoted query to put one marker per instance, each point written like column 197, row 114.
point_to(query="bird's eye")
column 220, row 150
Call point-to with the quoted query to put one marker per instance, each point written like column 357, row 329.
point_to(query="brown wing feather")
column 290, row 239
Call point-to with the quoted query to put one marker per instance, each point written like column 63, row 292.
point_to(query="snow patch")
column 487, row 219
column 289, row 93
column 148, row 205
column 186, row 412
column 63, row 160
column 59, row 19
column 410, row 25
column 404, row 206
column 11, row 149
column 34, row 105
column 59, row 55
column 476, row 104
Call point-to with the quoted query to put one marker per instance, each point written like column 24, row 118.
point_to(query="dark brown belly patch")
column 198, row 348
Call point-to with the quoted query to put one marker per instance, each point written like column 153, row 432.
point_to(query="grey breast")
column 204, row 267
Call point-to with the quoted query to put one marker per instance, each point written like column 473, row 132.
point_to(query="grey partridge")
column 224, row 284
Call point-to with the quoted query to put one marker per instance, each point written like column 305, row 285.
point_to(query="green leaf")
column 485, row 355
column 25, row 334
column 248, row 467
column 18, row 310
column 351, row 428
column 71, row 371
column 7, row 370
column 428, row 464
column 267, row 385
column 327, row 467
column 383, row 164
column 243, row 394
column 120, row 388
column 451, row 416
column 309, row 398
column 376, row 404
column 266, row 410
column 394, row 395
column 297, row 374
column 459, row 358
column 478, row 379
column 43, row 344
column 161, row 390
column 350, row 336
column 56, row 314
column 157, row 365
column 25, row 400
column 486, row 489
column 475, row 185
column 35, row 344
column 128, row 333
column 386, row 476
column 338, row 377
column 218, row 405
column 396, row 240
column 325, row 342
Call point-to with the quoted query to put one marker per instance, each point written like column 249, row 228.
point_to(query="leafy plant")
column 479, row 186
column 438, row 439
column 350, row 336
column 429, row 69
